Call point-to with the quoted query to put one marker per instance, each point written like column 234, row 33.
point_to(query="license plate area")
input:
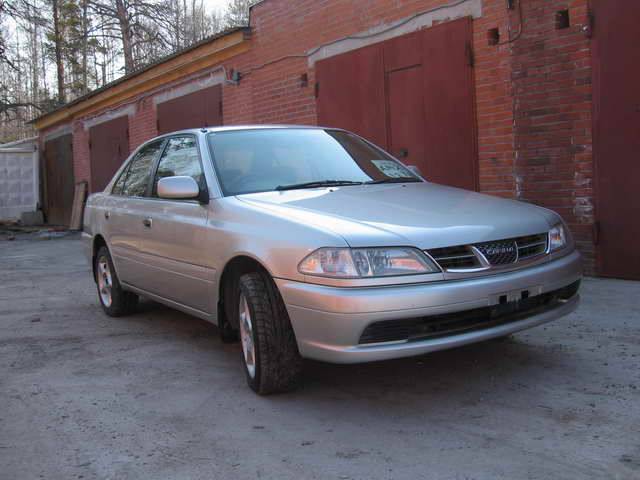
column 503, row 303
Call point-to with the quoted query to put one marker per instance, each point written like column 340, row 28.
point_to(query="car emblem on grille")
column 499, row 250
column 499, row 253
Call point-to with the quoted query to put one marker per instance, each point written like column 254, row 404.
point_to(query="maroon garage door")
column 412, row 95
column 109, row 147
column 616, row 71
column 198, row 109
column 59, row 180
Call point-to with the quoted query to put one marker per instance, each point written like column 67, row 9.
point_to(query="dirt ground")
column 158, row 396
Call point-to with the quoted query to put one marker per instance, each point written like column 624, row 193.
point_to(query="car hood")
column 425, row 215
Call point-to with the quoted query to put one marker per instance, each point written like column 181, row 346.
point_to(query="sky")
column 217, row 5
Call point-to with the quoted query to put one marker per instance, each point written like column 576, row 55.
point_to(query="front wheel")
column 270, row 354
column 115, row 301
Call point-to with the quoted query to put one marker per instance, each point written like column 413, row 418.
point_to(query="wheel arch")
column 98, row 242
column 232, row 271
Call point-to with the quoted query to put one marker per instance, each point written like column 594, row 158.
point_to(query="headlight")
column 557, row 238
column 366, row 262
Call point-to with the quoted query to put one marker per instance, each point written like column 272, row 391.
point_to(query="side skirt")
column 211, row 318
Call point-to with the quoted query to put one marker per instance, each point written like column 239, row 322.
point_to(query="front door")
column 175, row 231
column 616, row 85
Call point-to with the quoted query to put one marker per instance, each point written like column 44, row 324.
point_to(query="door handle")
column 403, row 153
column 147, row 222
column 107, row 215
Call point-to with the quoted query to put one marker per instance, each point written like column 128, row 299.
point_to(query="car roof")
column 231, row 128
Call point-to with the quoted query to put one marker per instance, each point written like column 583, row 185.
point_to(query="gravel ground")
column 158, row 396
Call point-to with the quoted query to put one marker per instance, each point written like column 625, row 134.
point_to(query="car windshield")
column 261, row 160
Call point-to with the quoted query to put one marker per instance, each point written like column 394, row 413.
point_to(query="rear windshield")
column 249, row 161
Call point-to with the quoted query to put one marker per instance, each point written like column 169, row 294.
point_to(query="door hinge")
column 596, row 232
column 590, row 25
column 317, row 89
column 471, row 60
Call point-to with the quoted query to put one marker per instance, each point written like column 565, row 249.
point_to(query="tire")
column 227, row 333
column 277, row 365
column 115, row 301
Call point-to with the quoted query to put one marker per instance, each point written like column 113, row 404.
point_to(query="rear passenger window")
column 119, row 185
column 140, row 170
column 180, row 158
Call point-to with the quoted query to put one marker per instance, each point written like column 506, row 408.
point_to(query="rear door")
column 172, row 246
column 124, row 211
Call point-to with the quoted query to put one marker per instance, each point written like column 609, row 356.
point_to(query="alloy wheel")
column 246, row 336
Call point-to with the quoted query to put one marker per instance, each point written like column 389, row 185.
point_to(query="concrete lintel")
column 214, row 78
column 58, row 132
column 109, row 115
column 387, row 31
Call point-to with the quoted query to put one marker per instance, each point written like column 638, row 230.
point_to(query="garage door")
column 109, row 147
column 195, row 110
column 617, row 136
column 59, row 179
column 412, row 95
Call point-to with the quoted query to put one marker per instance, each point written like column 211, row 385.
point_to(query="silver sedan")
column 306, row 242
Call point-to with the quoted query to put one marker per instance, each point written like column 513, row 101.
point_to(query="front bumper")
column 329, row 321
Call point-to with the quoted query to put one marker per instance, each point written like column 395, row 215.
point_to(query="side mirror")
column 415, row 170
column 181, row 188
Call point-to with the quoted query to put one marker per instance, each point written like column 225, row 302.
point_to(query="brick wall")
column 142, row 124
column 551, row 77
column 533, row 95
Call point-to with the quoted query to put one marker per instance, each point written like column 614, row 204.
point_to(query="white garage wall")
column 19, row 181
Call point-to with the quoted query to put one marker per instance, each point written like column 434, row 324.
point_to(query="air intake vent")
column 455, row 258
column 532, row 246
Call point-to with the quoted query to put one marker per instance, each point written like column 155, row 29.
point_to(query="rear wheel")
column 115, row 301
column 270, row 354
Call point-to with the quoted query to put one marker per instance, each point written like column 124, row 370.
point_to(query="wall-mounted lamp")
column 493, row 36
column 562, row 19
column 236, row 76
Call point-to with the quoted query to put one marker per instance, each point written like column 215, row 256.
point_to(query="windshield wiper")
column 394, row 180
column 317, row 183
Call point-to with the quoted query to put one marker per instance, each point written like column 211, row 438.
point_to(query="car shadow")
column 487, row 369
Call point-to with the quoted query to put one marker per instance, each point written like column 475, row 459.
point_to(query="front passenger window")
column 140, row 170
column 180, row 158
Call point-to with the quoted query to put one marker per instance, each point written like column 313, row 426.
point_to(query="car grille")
column 451, row 258
column 480, row 256
column 532, row 246
column 435, row 326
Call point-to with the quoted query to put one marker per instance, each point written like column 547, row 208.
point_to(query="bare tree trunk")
column 85, row 48
column 35, row 80
column 125, row 30
column 58, row 51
